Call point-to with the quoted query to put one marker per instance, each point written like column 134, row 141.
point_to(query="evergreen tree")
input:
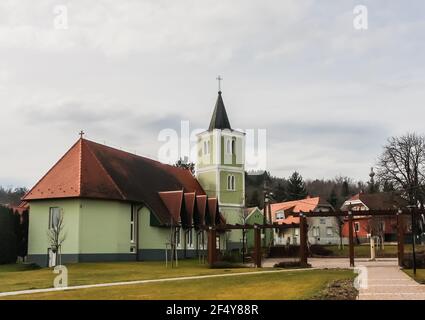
column 280, row 192
column 8, row 250
column 296, row 187
column 333, row 198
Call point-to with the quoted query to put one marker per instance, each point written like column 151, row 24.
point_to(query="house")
column 117, row 206
column 364, row 226
column 321, row 230
column 254, row 216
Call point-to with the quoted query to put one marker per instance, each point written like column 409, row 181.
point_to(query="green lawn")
column 17, row 277
column 420, row 275
column 282, row 285
column 363, row 251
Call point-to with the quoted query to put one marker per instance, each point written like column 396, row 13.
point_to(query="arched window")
column 208, row 147
column 229, row 182
column 233, row 183
column 233, row 146
column 205, row 147
column 228, row 146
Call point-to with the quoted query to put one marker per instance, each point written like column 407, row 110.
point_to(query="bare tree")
column 56, row 236
column 402, row 164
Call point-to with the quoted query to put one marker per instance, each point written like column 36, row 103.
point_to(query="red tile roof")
column 95, row 171
column 380, row 201
column 303, row 205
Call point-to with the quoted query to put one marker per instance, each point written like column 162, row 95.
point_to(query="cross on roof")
column 219, row 79
column 81, row 133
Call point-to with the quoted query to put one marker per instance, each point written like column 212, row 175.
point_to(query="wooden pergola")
column 349, row 215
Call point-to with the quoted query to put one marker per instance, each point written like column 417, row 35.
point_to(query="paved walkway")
column 385, row 281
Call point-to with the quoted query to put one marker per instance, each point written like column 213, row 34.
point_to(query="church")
column 118, row 206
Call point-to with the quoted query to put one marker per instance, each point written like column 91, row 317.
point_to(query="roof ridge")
column 80, row 173
column 50, row 170
column 107, row 173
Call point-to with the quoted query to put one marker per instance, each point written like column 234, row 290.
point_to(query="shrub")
column 291, row 264
column 227, row 265
column 8, row 248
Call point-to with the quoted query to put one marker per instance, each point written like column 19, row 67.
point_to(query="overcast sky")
column 329, row 95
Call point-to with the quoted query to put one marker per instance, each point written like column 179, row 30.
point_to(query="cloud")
column 327, row 94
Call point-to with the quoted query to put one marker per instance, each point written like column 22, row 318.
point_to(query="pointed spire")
column 219, row 118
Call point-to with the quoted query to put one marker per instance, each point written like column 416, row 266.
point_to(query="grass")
column 363, row 251
column 420, row 275
column 21, row 277
column 290, row 285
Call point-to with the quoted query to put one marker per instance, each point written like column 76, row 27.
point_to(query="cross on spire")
column 81, row 133
column 219, row 79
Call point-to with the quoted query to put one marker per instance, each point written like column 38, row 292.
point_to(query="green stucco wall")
column 39, row 224
column 104, row 227
column 208, row 182
column 151, row 237
column 230, row 196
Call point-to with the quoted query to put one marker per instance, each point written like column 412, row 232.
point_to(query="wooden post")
column 400, row 239
column 257, row 246
column 350, row 237
column 303, row 240
column 212, row 246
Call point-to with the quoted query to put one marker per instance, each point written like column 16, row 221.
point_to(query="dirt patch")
column 338, row 290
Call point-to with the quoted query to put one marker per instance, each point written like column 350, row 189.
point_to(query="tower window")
column 231, row 183
column 233, row 146
column 206, row 147
column 228, row 146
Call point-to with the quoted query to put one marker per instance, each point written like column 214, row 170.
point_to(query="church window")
column 233, row 146
column 132, row 226
column 54, row 217
column 228, row 146
column 231, row 182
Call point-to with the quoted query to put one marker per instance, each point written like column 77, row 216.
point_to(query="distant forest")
column 11, row 196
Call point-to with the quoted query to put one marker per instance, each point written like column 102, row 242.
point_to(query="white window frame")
column 231, row 182
column 280, row 215
column 356, row 226
column 316, row 231
column 329, row 231
column 132, row 226
column 51, row 216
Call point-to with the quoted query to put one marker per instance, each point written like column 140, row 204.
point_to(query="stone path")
column 385, row 281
